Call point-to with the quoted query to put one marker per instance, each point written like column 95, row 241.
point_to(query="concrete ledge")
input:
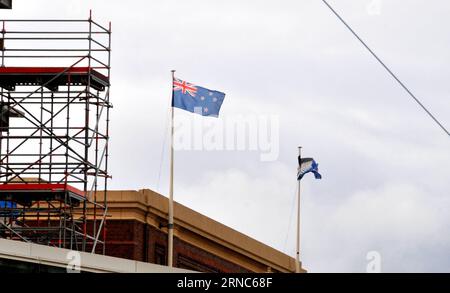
column 58, row 257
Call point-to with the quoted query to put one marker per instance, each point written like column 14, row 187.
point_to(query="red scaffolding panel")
column 52, row 77
column 28, row 192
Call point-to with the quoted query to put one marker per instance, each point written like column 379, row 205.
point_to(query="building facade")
column 136, row 230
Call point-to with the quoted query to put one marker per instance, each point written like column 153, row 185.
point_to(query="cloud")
column 401, row 221
column 384, row 162
column 256, row 206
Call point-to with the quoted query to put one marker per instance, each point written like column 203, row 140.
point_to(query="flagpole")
column 170, row 224
column 297, row 262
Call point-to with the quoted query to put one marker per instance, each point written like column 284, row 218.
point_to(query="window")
column 160, row 255
column 190, row 264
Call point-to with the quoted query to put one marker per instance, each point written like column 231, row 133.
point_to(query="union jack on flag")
column 184, row 87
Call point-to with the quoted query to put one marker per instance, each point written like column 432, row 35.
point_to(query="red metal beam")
column 49, row 187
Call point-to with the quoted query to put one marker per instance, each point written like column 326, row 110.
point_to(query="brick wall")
column 134, row 240
column 125, row 239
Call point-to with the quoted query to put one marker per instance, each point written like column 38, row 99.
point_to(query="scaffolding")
column 54, row 132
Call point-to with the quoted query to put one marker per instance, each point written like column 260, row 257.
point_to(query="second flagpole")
column 170, row 225
column 297, row 256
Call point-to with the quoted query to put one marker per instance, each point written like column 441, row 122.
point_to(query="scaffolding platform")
column 51, row 77
column 54, row 82
column 27, row 193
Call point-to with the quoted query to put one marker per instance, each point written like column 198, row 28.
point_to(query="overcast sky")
column 385, row 165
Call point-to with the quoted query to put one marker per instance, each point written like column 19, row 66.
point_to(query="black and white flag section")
column 307, row 165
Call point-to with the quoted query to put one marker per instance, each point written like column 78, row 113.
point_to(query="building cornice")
column 149, row 207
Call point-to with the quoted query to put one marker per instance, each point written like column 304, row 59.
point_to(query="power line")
column 388, row 70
